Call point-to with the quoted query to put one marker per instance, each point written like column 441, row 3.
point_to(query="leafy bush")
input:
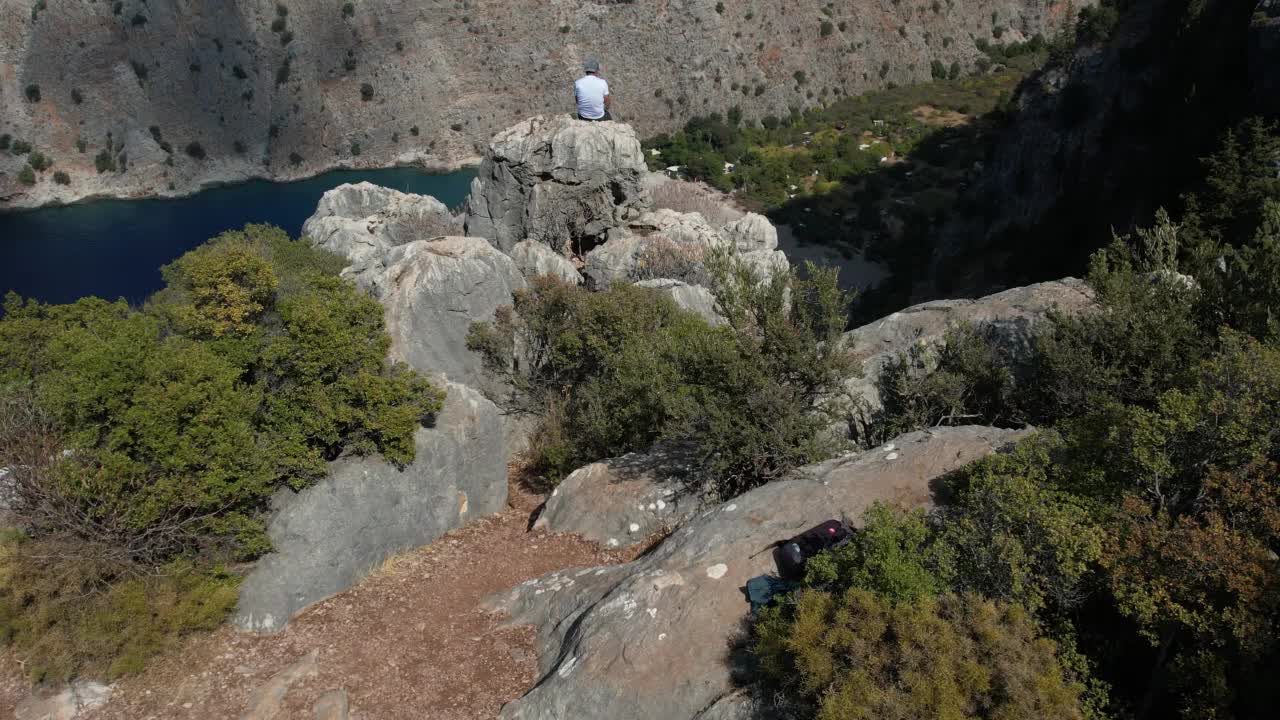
column 5, row 140
column 366, row 92
column 20, row 147
column 61, row 178
column 104, row 161
column 253, row 367
column 348, row 9
column 858, row 655
column 195, row 150
column 39, row 161
column 33, row 93
column 26, row 175
column 619, row 370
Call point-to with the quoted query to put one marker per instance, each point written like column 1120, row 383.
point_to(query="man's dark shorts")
column 607, row 116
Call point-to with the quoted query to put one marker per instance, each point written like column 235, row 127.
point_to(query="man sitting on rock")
column 592, row 93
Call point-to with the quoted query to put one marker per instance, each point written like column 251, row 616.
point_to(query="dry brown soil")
column 409, row 641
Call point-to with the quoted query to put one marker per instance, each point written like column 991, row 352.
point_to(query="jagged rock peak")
column 559, row 181
column 362, row 221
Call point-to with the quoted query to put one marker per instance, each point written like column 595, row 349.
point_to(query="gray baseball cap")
column 591, row 65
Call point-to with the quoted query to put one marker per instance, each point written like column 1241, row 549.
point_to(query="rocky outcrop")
column 432, row 291
column 751, row 233
column 558, row 181
column 363, row 221
column 290, row 102
column 623, row 501
column 653, row 638
column 666, row 244
column 694, row 298
column 73, row 701
column 1008, row 317
column 1073, row 165
column 533, row 259
column 333, row 533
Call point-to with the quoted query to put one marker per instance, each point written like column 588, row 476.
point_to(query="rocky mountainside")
column 135, row 98
column 1104, row 138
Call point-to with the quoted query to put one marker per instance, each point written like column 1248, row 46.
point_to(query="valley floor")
column 409, row 641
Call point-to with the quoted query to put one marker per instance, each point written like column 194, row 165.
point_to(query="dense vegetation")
column 616, row 371
column 144, row 443
column 1139, row 529
column 878, row 172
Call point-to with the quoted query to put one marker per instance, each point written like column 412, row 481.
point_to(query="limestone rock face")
column 330, row 535
column 293, row 110
column 622, row 501
column 649, row 639
column 71, row 702
column 559, row 181
column 432, row 291
column 533, row 258
column 364, row 221
column 694, row 298
column 671, row 245
column 753, row 232
column 1009, row 316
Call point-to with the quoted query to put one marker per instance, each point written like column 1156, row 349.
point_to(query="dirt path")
column 409, row 641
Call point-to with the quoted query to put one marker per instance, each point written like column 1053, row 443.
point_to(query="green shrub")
column 26, row 175
column 856, row 655
column 619, row 370
column 138, row 20
column 251, row 369
column 895, row 555
column 76, row 96
column 96, row 618
column 195, row 150
column 355, row 149
column 61, row 178
column 104, row 161
column 366, row 92
column 348, row 9
column 5, row 140
column 1096, row 24
column 20, row 147
column 826, row 28
column 39, row 161
column 33, row 93
column 720, row 8
column 964, row 380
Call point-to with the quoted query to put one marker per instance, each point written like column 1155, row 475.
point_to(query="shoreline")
column 433, row 168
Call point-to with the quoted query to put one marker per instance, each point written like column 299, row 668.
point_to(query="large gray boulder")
column 432, row 291
column 364, row 221
column 559, row 181
column 751, row 233
column 623, row 501
column 650, row 639
column 331, row 534
column 1008, row 317
column 694, row 298
column 533, row 258
column 666, row 244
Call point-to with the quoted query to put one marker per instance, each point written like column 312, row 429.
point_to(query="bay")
column 115, row 248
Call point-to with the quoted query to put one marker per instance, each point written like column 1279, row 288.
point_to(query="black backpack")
column 792, row 554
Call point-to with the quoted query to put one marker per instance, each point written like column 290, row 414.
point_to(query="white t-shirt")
column 590, row 91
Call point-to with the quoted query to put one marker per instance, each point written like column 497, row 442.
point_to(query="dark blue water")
column 114, row 248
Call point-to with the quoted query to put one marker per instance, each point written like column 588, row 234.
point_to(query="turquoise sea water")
column 114, row 248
